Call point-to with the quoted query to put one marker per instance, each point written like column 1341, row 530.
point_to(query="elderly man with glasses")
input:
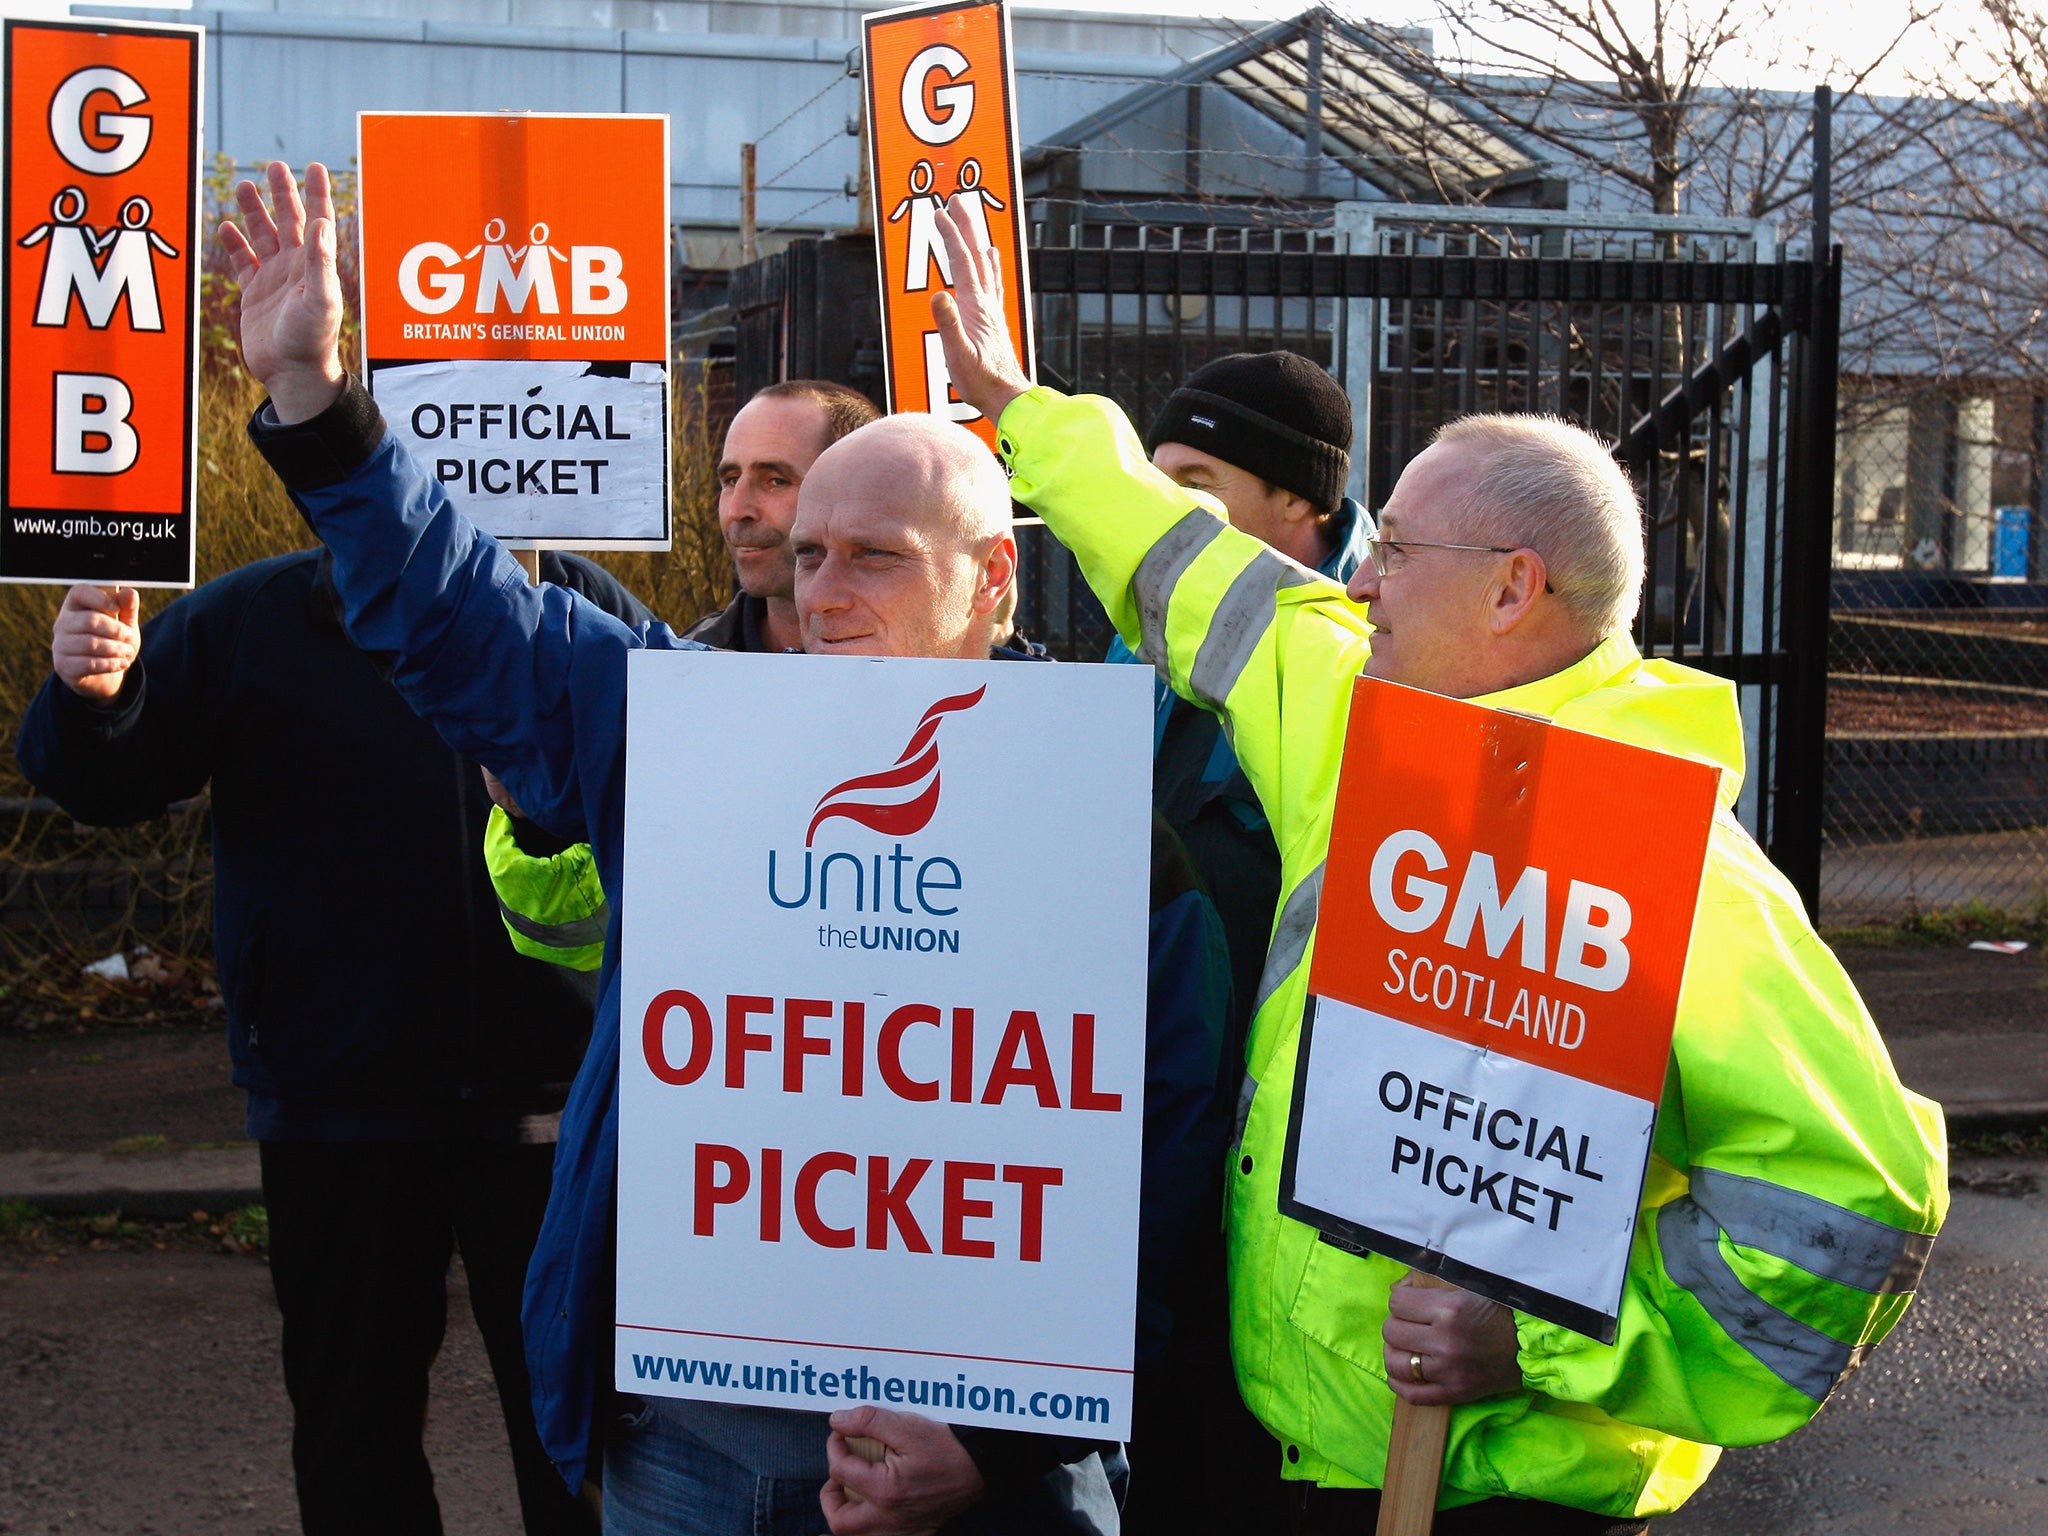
column 1794, row 1186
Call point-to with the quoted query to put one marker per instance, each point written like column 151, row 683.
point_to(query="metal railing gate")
column 1716, row 380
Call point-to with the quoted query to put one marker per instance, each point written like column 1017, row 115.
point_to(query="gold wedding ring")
column 1415, row 1369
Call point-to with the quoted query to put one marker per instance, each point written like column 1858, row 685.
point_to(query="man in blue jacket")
column 404, row 1067
column 531, row 683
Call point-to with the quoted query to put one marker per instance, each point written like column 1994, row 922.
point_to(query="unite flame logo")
column 873, row 891
column 903, row 797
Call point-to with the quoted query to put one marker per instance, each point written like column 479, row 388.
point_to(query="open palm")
column 974, row 330
column 283, row 260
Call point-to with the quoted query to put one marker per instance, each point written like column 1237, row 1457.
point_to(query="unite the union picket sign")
column 1505, row 917
column 882, row 1035
column 101, row 276
column 516, row 316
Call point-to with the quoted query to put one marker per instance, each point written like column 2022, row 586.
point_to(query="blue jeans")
column 660, row 1482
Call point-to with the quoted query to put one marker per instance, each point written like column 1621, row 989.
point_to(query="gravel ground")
column 140, row 1396
column 1859, row 708
column 83, row 1091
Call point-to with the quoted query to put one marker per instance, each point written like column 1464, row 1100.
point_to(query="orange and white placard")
column 516, row 316
column 1504, row 924
column 101, row 283
column 942, row 125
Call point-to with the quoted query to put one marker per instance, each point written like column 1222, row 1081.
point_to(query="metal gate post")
column 808, row 312
column 1797, row 817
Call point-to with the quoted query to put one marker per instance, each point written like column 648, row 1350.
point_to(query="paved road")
column 140, row 1396
column 1945, row 1432
column 1967, row 1028
column 139, row 1391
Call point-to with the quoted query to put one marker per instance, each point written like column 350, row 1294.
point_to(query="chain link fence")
column 1937, row 739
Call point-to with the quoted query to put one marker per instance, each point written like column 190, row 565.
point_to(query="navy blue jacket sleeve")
column 112, row 765
column 529, row 681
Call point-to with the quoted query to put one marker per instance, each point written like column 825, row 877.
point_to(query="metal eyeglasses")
column 1376, row 550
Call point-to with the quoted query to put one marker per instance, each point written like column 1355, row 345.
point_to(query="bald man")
column 903, row 547
column 902, row 543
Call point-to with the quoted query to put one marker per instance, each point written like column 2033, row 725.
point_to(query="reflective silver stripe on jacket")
column 570, row 935
column 1244, row 615
column 1804, row 1358
column 1246, row 1092
column 1291, row 935
column 1821, row 1238
column 1160, row 572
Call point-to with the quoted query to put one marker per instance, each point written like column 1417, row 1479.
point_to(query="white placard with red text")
column 882, row 1021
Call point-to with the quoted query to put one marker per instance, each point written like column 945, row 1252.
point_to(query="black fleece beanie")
column 1273, row 414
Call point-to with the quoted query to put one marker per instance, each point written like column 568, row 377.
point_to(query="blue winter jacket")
column 531, row 683
column 360, row 1007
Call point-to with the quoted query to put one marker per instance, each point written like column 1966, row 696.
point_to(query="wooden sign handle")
column 868, row 1449
column 1415, row 1458
column 529, row 562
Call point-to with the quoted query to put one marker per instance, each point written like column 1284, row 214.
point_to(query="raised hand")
column 980, row 355
column 291, row 292
column 96, row 639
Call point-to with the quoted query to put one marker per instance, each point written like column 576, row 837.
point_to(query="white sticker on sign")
column 1493, row 1162
column 530, row 449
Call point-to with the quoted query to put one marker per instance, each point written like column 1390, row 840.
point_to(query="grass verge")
column 1945, row 927
column 26, row 1231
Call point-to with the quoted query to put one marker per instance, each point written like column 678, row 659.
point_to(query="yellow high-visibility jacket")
column 1794, row 1185
column 553, row 905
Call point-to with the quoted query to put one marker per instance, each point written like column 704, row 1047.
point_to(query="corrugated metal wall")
column 288, row 85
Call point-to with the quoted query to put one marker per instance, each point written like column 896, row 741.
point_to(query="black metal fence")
column 1716, row 380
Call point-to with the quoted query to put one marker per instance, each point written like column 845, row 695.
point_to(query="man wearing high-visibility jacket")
column 1794, row 1186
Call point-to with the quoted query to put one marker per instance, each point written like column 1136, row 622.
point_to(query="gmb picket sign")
column 101, row 279
column 882, row 1065
column 1506, row 913
column 942, row 126
column 516, row 316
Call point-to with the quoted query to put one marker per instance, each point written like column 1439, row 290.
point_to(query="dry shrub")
column 695, row 577
column 71, row 894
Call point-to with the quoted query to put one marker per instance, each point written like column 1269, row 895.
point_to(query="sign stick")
column 869, row 1449
column 529, row 562
column 1415, row 1459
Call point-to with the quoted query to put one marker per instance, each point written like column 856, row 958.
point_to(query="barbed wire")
column 838, row 194
column 829, row 139
column 795, row 112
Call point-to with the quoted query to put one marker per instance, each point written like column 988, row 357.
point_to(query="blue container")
column 2009, row 542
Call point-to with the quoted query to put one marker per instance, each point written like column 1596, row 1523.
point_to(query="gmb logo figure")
column 99, row 266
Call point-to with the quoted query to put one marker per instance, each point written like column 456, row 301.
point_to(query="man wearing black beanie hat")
column 1268, row 434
